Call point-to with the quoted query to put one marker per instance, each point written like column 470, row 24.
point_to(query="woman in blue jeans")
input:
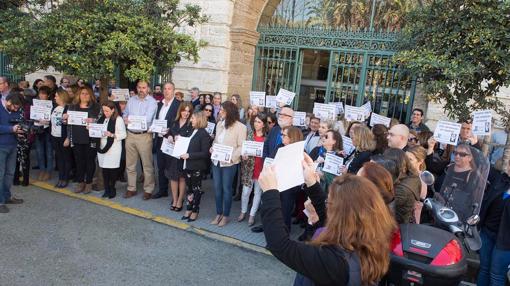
column 495, row 231
column 43, row 145
column 229, row 132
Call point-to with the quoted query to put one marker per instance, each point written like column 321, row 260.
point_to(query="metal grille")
column 361, row 67
column 6, row 69
column 275, row 68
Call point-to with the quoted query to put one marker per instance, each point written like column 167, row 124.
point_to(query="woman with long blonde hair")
column 351, row 249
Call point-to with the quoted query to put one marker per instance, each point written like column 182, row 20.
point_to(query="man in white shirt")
column 167, row 110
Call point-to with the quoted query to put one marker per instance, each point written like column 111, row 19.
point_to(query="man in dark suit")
column 195, row 96
column 167, row 110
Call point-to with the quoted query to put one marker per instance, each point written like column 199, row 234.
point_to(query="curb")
column 149, row 216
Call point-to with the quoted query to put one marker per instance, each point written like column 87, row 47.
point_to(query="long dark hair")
column 381, row 142
column 231, row 113
column 110, row 104
column 262, row 117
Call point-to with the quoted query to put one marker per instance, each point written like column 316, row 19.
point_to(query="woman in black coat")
column 363, row 140
column 174, row 171
column 195, row 162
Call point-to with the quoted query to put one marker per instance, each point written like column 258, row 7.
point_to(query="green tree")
column 91, row 38
column 460, row 49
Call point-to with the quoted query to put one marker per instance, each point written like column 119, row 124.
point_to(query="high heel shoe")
column 176, row 209
column 193, row 219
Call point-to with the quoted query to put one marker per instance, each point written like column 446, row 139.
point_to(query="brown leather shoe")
column 80, row 187
column 14, row 201
column 88, row 189
column 147, row 196
column 129, row 194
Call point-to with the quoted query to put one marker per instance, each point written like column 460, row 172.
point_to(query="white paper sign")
column 97, row 130
column 348, row 147
column 285, row 96
column 368, row 108
column 77, row 118
column 447, row 132
column 482, row 121
column 324, row 111
column 120, row 94
column 137, row 122
column 45, row 103
column 222, row 153
column 353, row 113
column 271, row 101
column 210, row 127
column 158, row 126
column 167, row 147
column 252, row 148
column 40, row 112
column 379, row 119
column 257, row 98
column 339, row 107
column 299, row 118
column 181, row 146
column 333, row 164
column 288, row 165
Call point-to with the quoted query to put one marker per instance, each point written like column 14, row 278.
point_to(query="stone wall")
column 211, row 73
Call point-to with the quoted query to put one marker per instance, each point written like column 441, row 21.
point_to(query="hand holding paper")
column 267, row 179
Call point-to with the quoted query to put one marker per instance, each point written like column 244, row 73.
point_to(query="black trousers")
column 85, row 157
column 122, row 168
column 109, row 178
column 62, row 157
column 194, row 191
column 23, row 163
column 288, row 199
column 162, row 164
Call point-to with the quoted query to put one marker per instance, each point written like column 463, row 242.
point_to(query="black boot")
column 106, row 193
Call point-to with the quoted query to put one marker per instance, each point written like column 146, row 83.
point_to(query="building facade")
column 324, row 50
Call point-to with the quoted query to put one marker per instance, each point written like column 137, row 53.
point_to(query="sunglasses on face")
column 208, row 110
column 461, row 154
column 412, row 140
column 270, row 122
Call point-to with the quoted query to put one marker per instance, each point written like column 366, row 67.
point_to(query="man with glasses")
column 4, row 87
column 416, row 123
column 9, row 111
column 167, row 110
column 274, row 138
column 398, row 136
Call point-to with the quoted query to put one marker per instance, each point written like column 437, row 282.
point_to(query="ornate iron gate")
column 360, row 69
column 359, row 37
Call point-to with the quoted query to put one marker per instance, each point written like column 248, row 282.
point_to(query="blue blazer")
column 271, row 143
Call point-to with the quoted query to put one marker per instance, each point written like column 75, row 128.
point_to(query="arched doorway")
column 335, row 51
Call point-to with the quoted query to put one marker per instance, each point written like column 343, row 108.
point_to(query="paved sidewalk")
column 160, row 207
column 53, row 239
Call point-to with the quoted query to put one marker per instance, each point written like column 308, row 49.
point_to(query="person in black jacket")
column 78, row 138
column 167, row 110
column 495, row 234
column 363, row 140
column 342, row 253
column 195, row 162
column 173, row 167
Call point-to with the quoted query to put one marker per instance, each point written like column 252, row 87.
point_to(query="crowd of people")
column 339, row 245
